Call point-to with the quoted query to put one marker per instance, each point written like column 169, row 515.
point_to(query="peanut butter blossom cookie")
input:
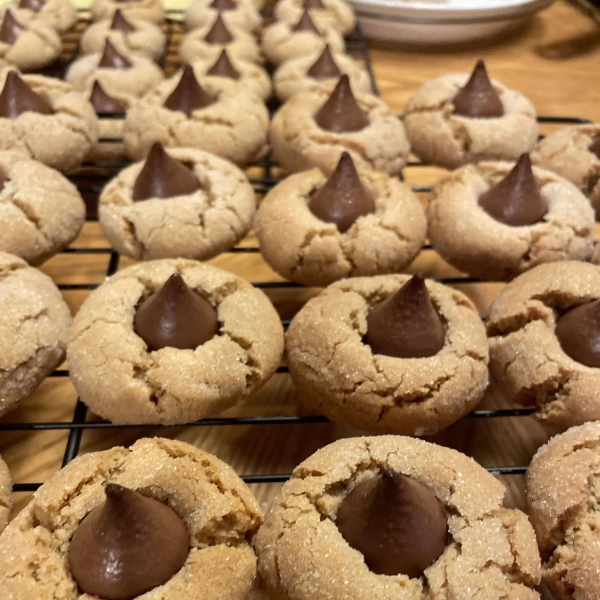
column 389, row 354
column 454, row 120
column 161, row 519
column 142, row 10
column 339, row 13
column 59, row 14
column 205, row 199
column 315, row 230
column 497, row 220
column 240, row 14
column 172, row 341
column 313, row 129
column 5, row 495
column 394, row 518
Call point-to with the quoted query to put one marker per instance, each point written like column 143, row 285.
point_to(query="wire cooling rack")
column 90, row 180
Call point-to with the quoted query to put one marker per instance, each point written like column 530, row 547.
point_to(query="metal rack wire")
column 90, row 180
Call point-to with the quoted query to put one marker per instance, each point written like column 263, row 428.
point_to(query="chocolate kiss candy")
column 341, row 113
column 223, row 5
column 11, row 29
column 578, row 332
column 103, row 103
column 111, row 59
column 342, row 199
column 324, row 67
column 34, row 5
column 595, row 147
column 17, row 97
column 223, row 67
column 305, row 24
column 478, row 99
column 163, row 177
column 314, row 4
column 188, row 95
column 516, row 199
column 219, row 34
column 397, row 524
column 127, row 546
column 120, row 23
column 175, row 317
column 406, row 325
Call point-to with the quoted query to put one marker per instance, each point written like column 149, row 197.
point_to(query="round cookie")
column 240, row 44
column 121, row 380
column 292, row 76
column 567, row 152
column 135, row 77
column 41, row 211
column 562, row 498
column 208, row 221
column 34, row 326
column 28, row 44
column 441, row 137
column 217, row 508
column 303, row 248
column 140, row 10
column 526, row 356
column 339, row 12
column 241, row 14
column 61, row 136
column 470, row 239
column 299, row 143
column 234, row 126
column 341, row 377
column 146, row 39
column 5, row 495
column 490, row 550
column 59, row 14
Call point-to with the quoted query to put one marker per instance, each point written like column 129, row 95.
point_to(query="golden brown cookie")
column 142, row 10
column 41, row 211
column 5, row 495
column 209, row 221
column 567, row 152
column 490, row 551
column 340, row 376
column 526, row 357
column 563, row 499
column 234, row 126
column 241, row 14
column 59, row 14
column 217, row 508
column 338, row 12
column 34, row 326
column 121, row 380
column 440, row 137
column 469, row 238
column 301, row 247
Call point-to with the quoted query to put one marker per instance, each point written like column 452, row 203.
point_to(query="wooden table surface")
column 554, row 61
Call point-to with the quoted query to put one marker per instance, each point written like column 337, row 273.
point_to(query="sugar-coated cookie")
column 240, row 14
column 339, row 12
column 5, row 495
column 59, row 14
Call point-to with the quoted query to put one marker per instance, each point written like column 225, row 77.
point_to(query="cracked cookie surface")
column 440, row 137
column 119, row 379
column 526, row 357
column 207, row 222
column 41, row 211
column 234, row 127
column 299, row 144
column 220, row 512
column 563, row 496
column 34, row 326
column 59, row 14
column 339, row 13
column 302, row 248
column 473, row 241
column 144, row 10
column 5, row 495
column 244, row 16
column 339, row 376
column 491, row 553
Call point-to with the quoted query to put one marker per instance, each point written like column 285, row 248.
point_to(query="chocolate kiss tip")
column 11, row 28
column 176, row 317
column 342, row 199
column 223, row 5
column 128, row 546
column 516, row 199
column 189, row 95
column 406, row 325
column 478, row 98
column 120, row 23
column 17, row 97
column 324, row 67
column 594, row 147
column 223, row 67
column 305, row 23
column 341, row 113
column 112, row 59
column 34, row 5
column 163, row 177
column 219, row 34
column 578, row 332
column 103, row 103
column 397, row 524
